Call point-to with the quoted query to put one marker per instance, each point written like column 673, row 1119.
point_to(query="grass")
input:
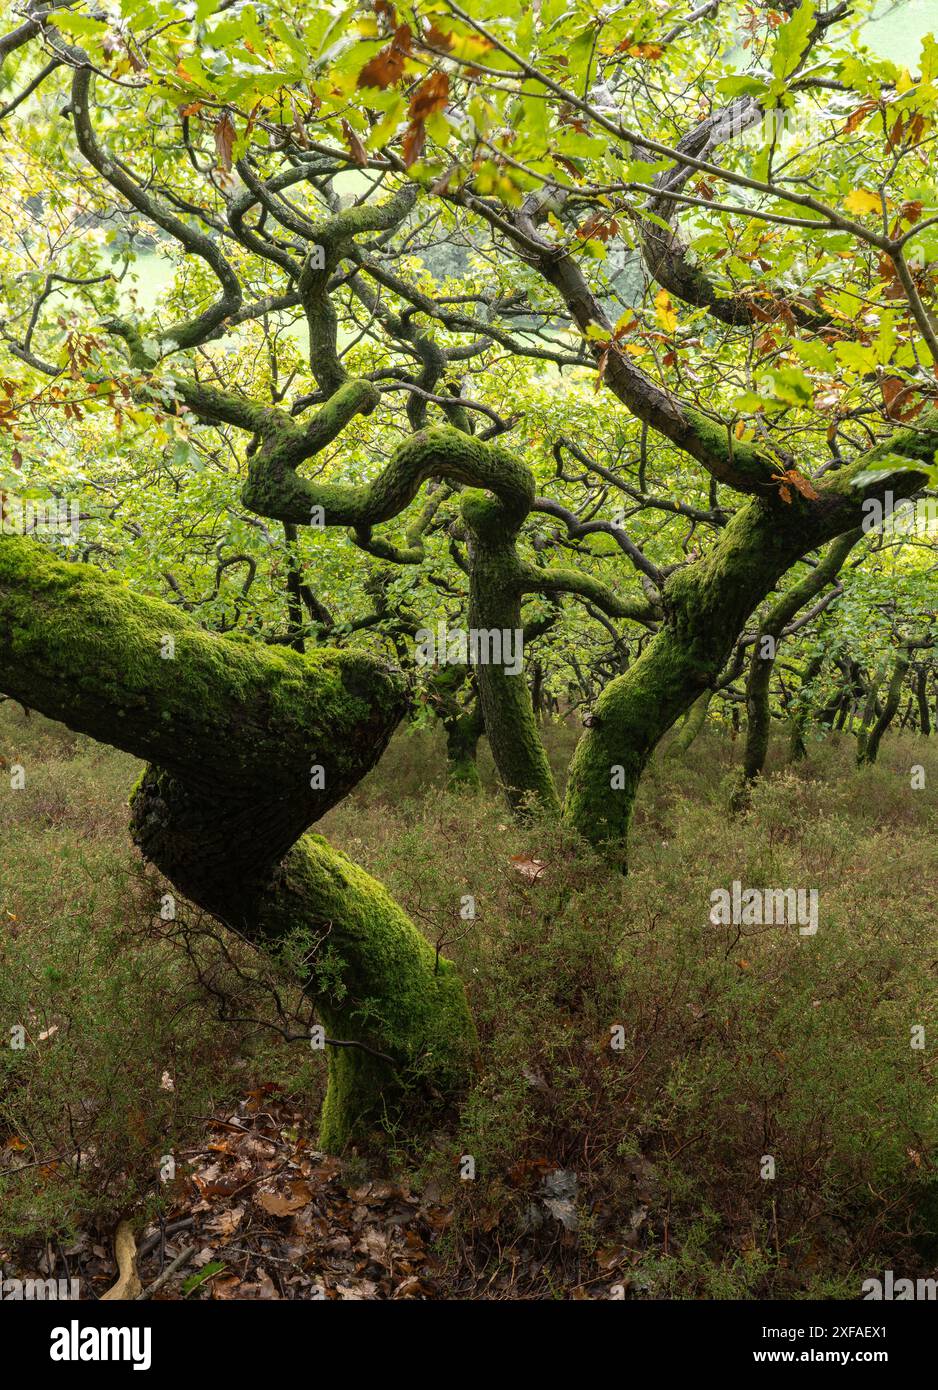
column 740, row 1045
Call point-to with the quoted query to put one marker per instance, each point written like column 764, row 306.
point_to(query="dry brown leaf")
column 528, row 868
column 278, row 1204
column 224, row 140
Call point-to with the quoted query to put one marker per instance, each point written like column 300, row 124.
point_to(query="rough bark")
column 495, row 594
column 706, row 607
column 799, row 718
column 921, row 696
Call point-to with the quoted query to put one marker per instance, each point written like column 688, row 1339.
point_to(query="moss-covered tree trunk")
column 798, row 723
column 463, row 731
column 868, row 749
column 921, row 697
column 495, row 595
column 692, row 726
column 247, row 746
column 764, row 651
column 871, row 711
column 706, row 607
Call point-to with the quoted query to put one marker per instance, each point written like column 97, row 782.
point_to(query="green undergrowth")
column 739, row 1043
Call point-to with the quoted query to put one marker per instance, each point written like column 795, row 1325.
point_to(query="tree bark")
column 495, row 596
column 706, row 607
column 799, row 717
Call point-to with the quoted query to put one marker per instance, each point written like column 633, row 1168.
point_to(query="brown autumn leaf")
column 528, row 868
column 415, row 137
column 803, row 484
column 387, row 66
column 430, row 96
column 435, row 38
column 356, row 148
column 277, row 1204
column 895, row 393
column 860, row 114
column 598, row 227
column 225, row 135
column 413, row 1287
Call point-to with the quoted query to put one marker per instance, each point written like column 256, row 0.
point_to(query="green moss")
column 232, row 714
column 275, row 489
column 383, row 986
column 496, row 586
column 696, row 719
column 231, row 793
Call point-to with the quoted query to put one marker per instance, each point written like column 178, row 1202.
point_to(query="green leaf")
column 208, row 1271
column 741, row 86
column 792, row 40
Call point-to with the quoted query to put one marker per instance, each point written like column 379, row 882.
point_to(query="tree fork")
column 707, row 606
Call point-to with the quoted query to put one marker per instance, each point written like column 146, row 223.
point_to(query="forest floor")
column 157, row 1086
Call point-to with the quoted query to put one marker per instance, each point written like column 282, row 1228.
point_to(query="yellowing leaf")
column 862, row 201
column 664, row 311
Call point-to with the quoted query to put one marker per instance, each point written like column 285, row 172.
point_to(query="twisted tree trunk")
column 799, row 718
column 868, row 747
column 247, row 746
column 706, row 607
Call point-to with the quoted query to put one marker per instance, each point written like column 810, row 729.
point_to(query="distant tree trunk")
column 695, row 721
column 537, row 690
column 921, row 695
column 495, row 598
column 868, row 717
column 764, row 653
column 869, row 750
column 463, row 731
column 800, row 712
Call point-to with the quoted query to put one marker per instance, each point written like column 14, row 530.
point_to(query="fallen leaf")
column 277, row 1204
column 528, row 868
